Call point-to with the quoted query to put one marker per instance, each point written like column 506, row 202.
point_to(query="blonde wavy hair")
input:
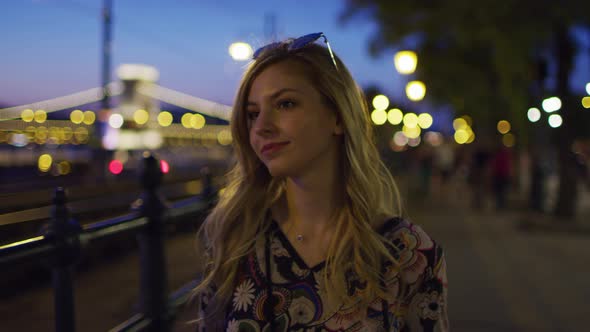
column 239, row 218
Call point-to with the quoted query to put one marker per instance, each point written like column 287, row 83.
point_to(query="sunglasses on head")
column 296, row 44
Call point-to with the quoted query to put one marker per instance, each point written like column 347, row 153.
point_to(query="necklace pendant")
column 299, row 237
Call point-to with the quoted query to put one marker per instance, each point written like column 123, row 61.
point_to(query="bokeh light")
column 459, row 123
column 164, row 166
column 379, row 117
column 165, row 119
column 197, row 121
column 433, row 138
column 89, row 117
column 380, row 102
column 405, row 62
column 224, row 137
column 461, row 136
column 411, row 132
column 44, row 162
column 116, row 120
column 588, row 88
column 395, row 116
column 40, row 116
column 503, row 126
column 508, row 140
column 425, row 120
column 534, row 114
column 410, row 120
column 27, row 115
column 551, row 104
column 64, row 168
column 141, row 116
column 240, row 51
column 586, row 102
column 555, row 120
column 115, row 166
column 415, row 90
column 400, row 139
column 76, row 116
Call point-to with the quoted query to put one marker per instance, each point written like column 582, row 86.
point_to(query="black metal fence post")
column 153, row 279
column 65, row 234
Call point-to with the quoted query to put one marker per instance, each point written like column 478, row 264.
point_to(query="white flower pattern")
column 416, row 298
column 244, row 295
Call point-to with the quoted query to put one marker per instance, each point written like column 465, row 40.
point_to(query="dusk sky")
column 52, row 48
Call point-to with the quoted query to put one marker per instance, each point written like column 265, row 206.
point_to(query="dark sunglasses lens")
column 264, row 48
column 304, row 40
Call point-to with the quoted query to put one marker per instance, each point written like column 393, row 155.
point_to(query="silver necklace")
column 299, row 237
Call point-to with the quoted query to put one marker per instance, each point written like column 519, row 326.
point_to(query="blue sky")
column 51, row 48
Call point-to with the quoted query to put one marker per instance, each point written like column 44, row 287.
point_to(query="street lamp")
column 405, row 62
column 415, row 90
column 240, row 51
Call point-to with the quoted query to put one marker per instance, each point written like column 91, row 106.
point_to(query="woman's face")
column 292, row 130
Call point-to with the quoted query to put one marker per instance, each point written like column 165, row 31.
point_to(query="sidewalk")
column 503, row 277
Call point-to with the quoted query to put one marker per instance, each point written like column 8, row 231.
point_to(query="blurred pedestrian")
column 478, row 176
column 308, row 233
column 501, row 169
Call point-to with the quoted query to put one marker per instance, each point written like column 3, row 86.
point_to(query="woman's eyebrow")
column 275, row 94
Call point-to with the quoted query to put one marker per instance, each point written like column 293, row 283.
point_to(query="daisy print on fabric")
column 244, row 295
column 233, row 326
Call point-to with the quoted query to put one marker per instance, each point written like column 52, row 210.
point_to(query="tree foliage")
column 479, row 56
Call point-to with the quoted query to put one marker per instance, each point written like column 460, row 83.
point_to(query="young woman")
column 308, row 235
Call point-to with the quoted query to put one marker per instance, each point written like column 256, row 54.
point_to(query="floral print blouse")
column 417, row 295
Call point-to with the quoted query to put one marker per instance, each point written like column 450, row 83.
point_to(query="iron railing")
column 64, row 240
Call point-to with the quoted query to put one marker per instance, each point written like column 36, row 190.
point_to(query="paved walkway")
column 501, row 278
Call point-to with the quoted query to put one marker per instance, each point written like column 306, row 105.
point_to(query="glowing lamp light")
column 586, row 102
column 378, row 117
column 415, row 90
column 588, row 88
column 503, row 126
column 508, row 140
column 165, row 119
column 411, row 132
column 40, row 116
column 89, row 117
column 197, row 121
column 224, row 137
column 44, row 162
column 534, row 114
column 400, row 139
column 116, row 120
column 240, row 51
column 555, row 120
column 460, row 123
column 461, row 136
column 164, row 166
column 115, row 167
column 380, row 102
column 410, row 120
column 405, row 62
column 27, row 115
column 141, row 116
column 395, row 116
column 425, row 120
column 551, row 104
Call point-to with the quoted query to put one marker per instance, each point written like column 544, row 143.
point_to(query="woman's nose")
column 265, row 122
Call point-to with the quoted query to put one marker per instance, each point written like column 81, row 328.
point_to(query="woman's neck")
column 309, row 206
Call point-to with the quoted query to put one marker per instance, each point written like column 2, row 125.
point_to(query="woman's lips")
column 272, row 148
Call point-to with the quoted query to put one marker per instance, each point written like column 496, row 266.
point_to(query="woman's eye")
column 252, row 115
column 286, row 104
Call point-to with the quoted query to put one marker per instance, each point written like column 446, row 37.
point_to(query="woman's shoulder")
column 410, row 244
